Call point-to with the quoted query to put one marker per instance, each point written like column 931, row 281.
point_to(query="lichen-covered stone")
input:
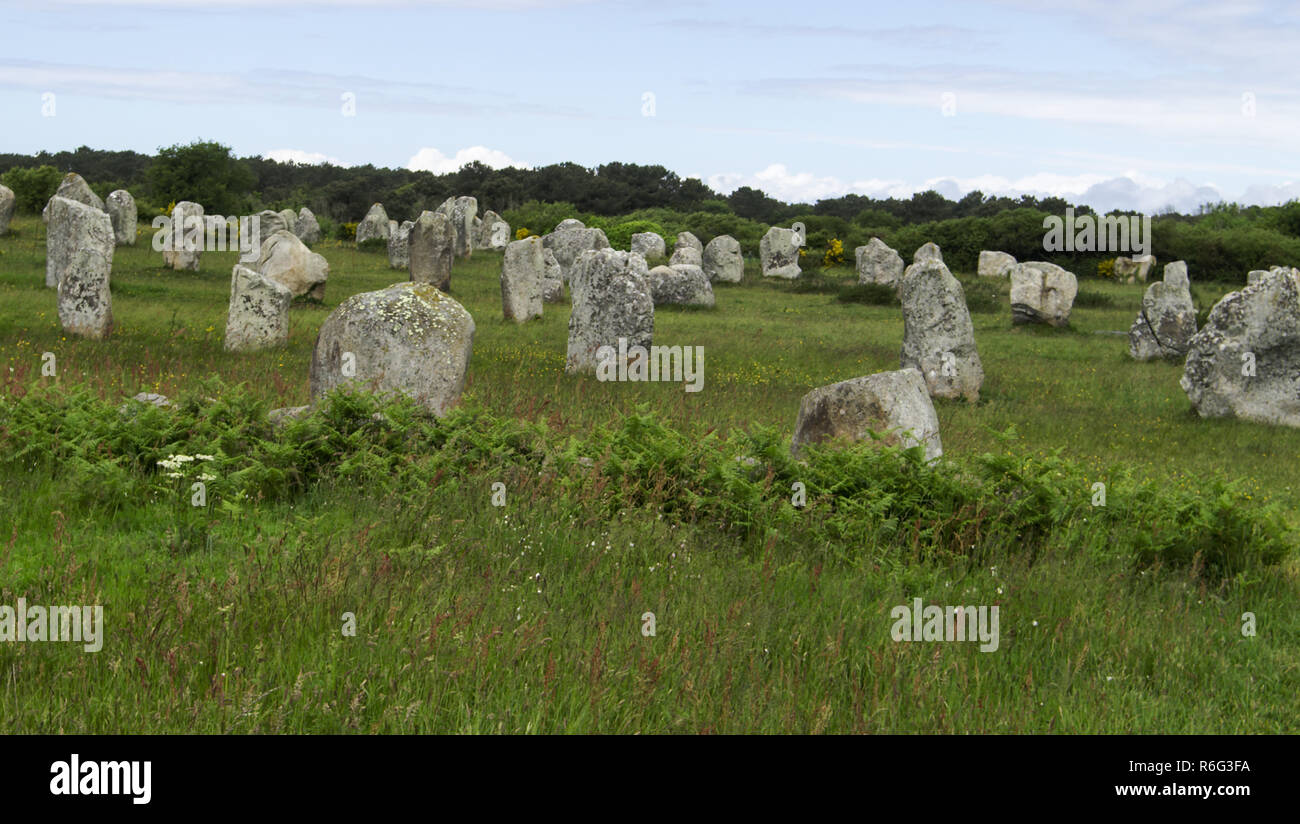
column 122, row 213
column 611, row 300
column 522, row 272
column 374, row 225
column 258, row 316
column 680, row 284
column 430, row 248
column 938, row 336
column 286, row 260
column 81, row 239
column 894, row 405
column 1042, row 293
column 877, row 263
column 778, row 253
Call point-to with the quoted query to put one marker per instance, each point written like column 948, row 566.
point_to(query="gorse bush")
column 865, row 498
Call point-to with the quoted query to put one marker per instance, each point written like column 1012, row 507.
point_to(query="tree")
column 206, row 173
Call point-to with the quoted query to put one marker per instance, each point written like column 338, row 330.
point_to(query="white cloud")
column 1131, row 191
column 430, row 159
column 299, row 156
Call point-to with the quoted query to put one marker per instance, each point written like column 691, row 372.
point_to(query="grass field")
column 526, row 618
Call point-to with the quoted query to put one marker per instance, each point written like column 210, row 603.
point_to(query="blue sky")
column 1120, row 105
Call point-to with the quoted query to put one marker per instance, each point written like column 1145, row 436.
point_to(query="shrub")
column 834, row 255
column 32, row 186
column 1106, row 269
column 346, row 232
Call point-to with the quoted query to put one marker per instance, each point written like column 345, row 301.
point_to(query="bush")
column 541, row 217
column 345, row 231
column 620, row 234
column 1106, row 269
column 32, row 186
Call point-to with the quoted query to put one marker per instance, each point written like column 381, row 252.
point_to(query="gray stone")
column 258, row 316
column 1136, row 268
column 1042, row 293
column 686, row 255
column 399, row 235
column 569, row 223
column 894, row 405
column 522, row 271
column 122, row 212
column 1257, row 327
column 552, row 290
column 567, row 244
column 461, row 211
column 306, row 227
column 1165, row 325
column 778, row 253
column 374, row 225
column 722, row 261
column 927, row 251
column 290, row 219
column 286, row 260
column 7, row 201
column 680, row 284
column 81, row 239
column 877, row 263
column 649, row 245
column 187, row 246
column 995, row 264
column 282, row 417
column 494, row 233
column 74, row 187
column 409, row 339
column 431, row 246
column 611, row 300
column 938, row 336
column 269, row 222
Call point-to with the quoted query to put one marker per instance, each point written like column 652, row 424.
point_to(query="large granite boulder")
column 374, row 225
column 681, row 285
column 995, row 264
column 1167, row 321
column 409, row 339
column 492, row 233
column 286, row 260
column 611, row 300
column 722, row 261
column 927, row 251
column 1042, row 293
column 649, row 245
column 552, row 278
column 306, row 227
column 894, row 405
column 569, row 223
column 122, row 212
column 1136, row 268
column 522, row 271
column 688, row 251
column 568, row 243
column 258, row 316
column 938, row 336
column 290, row 220
column 778, row 253
column 74, row 187
column 1245, row 361
column 877, row 263
column 461, row 212
column 430, row 248
column 80, row 242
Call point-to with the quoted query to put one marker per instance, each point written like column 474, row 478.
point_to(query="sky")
column 1140, row 106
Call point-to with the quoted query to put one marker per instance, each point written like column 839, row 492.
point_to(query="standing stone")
column 649, row 245
column 121, row 211
column 1245, row 361
column 409, row 339
column 430, row 247
column 286, row 260
column 569, row 223
column 687, row 251
column 7, row 201
column 938, row 336
column 259, row 311
column 1136, row 268
column 552, row 278
column 186, row 237
column 1166, row 323
column 74, row 187
column 399, row 236
column 374, row 225
column 80, row 239
column 611, row 300
column 893, row 404
column 476, row 235
column 722, row 261
column 493, row 233
column 461, row 211
column 522, row 271
column 681, row 284
column 877, row 263
column 928, row 251
column 1042, row 293
column 1255, row 276
column 778, row 253
column 290, row 219
column 995, row 264
column 270, row 222
column 306, row 227
column 567, row 244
